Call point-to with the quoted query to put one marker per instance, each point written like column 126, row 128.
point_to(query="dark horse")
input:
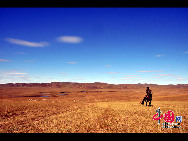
column 148, row 97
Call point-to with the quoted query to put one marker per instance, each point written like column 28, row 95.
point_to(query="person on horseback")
column 148, row 97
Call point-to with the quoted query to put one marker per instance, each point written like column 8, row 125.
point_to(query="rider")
column 148, row 91
column 147, row 97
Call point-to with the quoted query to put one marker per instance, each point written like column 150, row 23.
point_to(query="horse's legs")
column 150, row 102
column 142, row 101
column 146, row 102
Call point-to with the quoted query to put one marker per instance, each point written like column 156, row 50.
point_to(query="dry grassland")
column 89, row 112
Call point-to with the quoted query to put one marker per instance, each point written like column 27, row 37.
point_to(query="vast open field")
column 62, row 110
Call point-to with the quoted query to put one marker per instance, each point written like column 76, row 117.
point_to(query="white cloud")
column 23, row 76
column 165, row 74
column 26, row 43
column 132, row 77
column 14, row 76
column 20, row 53
column 63, row 73
column 112, row 72
column 148, row 71
column 159, row 55
column 157, row 77
column 125, row 79
column 72, row 62
column 30, row 61
column 70, row 39
column 3, row 60
column 181, row 79
column 14, row 73
column 12, row 70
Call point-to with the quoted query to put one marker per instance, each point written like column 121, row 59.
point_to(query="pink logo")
column 168, row 116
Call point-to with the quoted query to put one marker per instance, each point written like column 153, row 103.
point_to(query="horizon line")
column 93, row 83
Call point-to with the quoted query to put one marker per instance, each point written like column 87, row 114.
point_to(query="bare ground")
column 98, row 111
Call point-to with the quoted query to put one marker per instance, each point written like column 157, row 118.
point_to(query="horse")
column 147, row 98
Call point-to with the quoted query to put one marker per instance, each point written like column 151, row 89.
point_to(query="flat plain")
column 79, row 110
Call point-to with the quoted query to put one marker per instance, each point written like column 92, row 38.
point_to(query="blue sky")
column 111, row 45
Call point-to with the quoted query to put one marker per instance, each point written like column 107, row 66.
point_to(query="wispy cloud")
column 78, row 77
column 108, row 65
column 129, row 75
column 14, row 73
column 72, row 62
column 148, row 71
column 112, row 72
column 112, row 78
column 157, row 77
column 132, row 77
column 11, row 70
column 30, row 61
column 3, row 60
column 125, row 78
column 186, row 52
column 23, row 76
column 20, row 53
column 63, row 73
column 70, row 39
column 14, row 76
column 165, row 74
column 26, row 43
column 159, row 55
column 181, row 79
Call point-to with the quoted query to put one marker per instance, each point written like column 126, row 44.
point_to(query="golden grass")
column 118, row 112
